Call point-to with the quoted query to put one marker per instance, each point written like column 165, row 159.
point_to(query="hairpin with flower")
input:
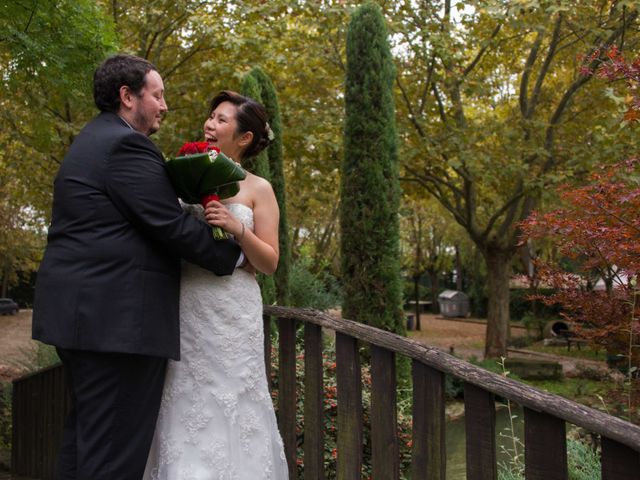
column 270, row 134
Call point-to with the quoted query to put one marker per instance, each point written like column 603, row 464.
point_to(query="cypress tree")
column 269, row 99
column 370, row 191
column 259, row 165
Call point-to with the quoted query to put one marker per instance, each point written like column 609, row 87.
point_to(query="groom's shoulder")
column 107, row 131
column 107, row 124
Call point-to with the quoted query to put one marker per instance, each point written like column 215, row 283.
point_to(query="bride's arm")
column 260, row 246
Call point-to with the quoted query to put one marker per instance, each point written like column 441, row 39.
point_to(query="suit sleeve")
column 139, row 187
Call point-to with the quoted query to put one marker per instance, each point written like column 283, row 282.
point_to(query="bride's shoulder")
column 259, row 184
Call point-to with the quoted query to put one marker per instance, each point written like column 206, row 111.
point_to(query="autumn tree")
column 48, row 52
column 199, row 48
column 302, row 48
column 427, row 244
column 598, row 230
column 493, row 111
column 369, row 188
column 21, row 232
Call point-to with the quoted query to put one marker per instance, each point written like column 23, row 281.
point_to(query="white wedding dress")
column 216, row 419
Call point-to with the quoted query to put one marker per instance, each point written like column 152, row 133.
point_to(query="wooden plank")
column 36, row 433
column 619, row 462
column 313, row 396
column 17, row 439
column 480, row 426
column 349, row 382
column 287, row 392
column 60, row 402
column 524, row 395
column 38, row 417
column 419, row 436
column 428, row 456
column 47, row 425
column 266, row 320
column 545, row 446
column 37, row 421
column 384, row 421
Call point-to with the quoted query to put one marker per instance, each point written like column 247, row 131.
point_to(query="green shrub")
column 520, row 305
column 535, row 325
column 453, row 387
column 5, row 416
column 583, row 463
column 478, row 301
column 521, row 342
column 583, row 460
column 309, row 290
column 330, row 420
column 45, row 356
column 409, row 294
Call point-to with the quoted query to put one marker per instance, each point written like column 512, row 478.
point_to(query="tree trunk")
column 433, row 276
column 5, row 272
column 458, row 270
column 5, row 286
column 416, row 296
column 498, row 273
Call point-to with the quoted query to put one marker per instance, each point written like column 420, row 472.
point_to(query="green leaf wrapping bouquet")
column 202, row 173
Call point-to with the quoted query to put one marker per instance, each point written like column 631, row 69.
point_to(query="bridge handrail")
column 589, row 418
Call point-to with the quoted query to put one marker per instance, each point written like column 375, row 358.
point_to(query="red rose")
column 191, row 148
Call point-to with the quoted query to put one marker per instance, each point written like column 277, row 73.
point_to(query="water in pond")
column 456, row 449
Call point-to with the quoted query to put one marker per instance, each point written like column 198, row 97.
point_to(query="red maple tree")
column 598, row 231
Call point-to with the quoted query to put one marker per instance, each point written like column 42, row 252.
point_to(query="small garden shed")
column 453, row 303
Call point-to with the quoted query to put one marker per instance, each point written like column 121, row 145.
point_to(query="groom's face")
column 149, row 105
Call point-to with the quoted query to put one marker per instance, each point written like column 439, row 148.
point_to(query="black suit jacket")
column 110, row 277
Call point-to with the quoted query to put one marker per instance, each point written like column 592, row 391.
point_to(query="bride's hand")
column 218, row 215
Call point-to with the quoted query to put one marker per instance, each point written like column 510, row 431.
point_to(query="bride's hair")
column 251, row 117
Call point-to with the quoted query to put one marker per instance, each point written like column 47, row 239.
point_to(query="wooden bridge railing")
column 39, row 405
column 40, row 400
column 544, row 414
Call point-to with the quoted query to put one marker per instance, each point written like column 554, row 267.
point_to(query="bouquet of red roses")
column 202, row 173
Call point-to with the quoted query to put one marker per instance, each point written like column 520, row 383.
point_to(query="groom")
column 107, row 289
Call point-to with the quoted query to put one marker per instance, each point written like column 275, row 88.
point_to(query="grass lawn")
column 585, row 352
column 581, row 390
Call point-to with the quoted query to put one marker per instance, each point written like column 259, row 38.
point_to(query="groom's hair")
column 115, row 72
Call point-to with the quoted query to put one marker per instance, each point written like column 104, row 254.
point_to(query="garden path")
column 466, row 336
column 17, row 350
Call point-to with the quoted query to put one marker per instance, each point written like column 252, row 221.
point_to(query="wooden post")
column 313, row 411
column 545, row 443
column 266, row 319
column 287, row 392
column 480, row 426
column 619, row 462
column 428, row 456
column 384, row 421
column 348, row 376
column 416, row 286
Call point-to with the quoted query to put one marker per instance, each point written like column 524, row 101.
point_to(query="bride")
column 217, row 419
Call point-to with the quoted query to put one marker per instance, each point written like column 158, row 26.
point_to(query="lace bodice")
column 216, row 420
